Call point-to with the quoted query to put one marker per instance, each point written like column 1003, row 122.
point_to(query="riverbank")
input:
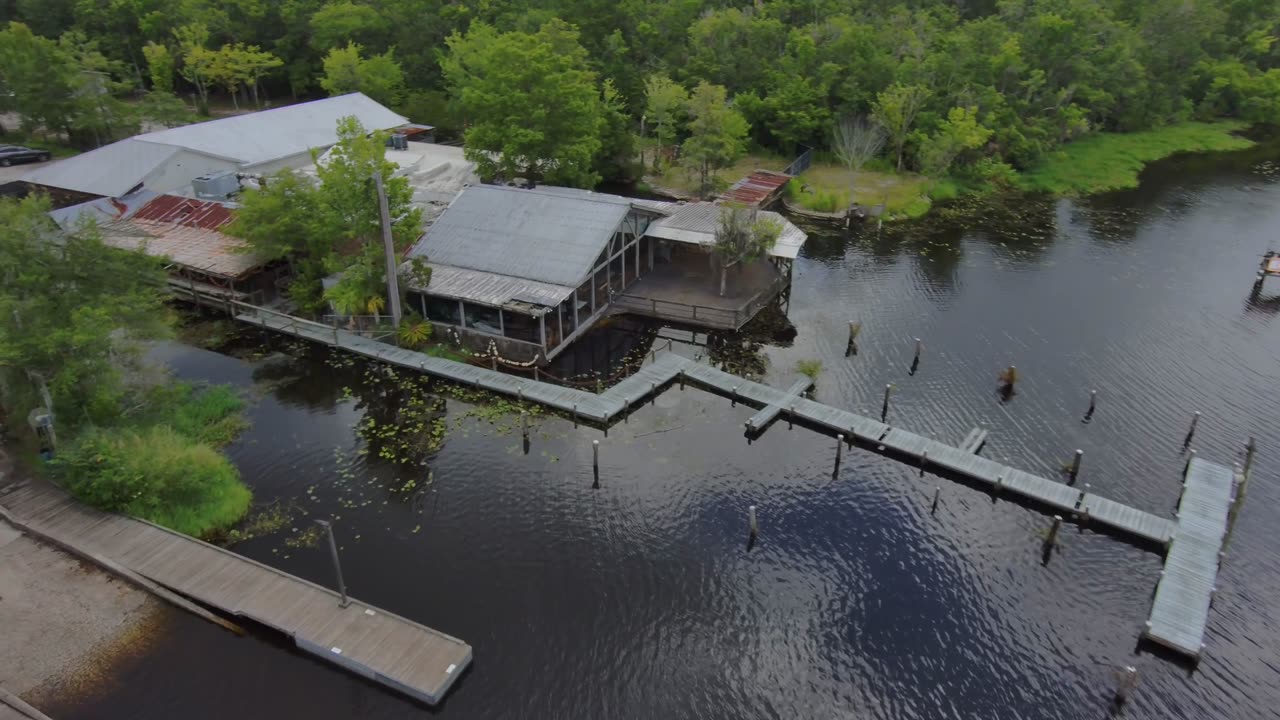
column 65, row 623
column 1096, row 163
column 1112, row 161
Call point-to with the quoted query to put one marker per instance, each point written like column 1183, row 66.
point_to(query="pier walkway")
column 385, row 648
column 1187, row 582
column 1180, row 612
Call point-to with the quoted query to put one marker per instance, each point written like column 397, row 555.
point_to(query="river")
column 640, row 599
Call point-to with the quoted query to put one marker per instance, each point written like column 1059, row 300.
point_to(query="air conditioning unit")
column 216, row 186
column 398, row 141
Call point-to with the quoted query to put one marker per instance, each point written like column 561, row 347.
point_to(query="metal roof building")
column 168, row 160
column 547, row 238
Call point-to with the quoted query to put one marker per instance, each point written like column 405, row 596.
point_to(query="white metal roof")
column 246, row 140
column 267, row 135
column 696, row 223
column 111, row 170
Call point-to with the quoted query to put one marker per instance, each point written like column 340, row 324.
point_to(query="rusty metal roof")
column 756, row 189
column 186, row 212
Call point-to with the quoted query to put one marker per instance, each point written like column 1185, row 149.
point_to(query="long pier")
column 385, row 648
column 1179, row 614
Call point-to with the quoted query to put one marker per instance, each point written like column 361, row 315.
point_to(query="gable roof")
column 267, row 135
column 244, row 140
column 111, row 170
column 545, row 235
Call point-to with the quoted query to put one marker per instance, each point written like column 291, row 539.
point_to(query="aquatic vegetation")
column 809, row 368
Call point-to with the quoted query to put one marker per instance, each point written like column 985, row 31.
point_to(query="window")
column 483, row 318
column 442, row 310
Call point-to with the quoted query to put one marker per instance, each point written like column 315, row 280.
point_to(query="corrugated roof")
column 111, row 170
column 491, row 288
column 187, row 212
column 102, row 210
column 247, row 140
column 696, row 224
column 756, row 188
column 540, row 235
column 271, row 134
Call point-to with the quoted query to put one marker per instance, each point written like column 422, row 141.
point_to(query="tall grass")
column 157, row 474
column 1112, row 161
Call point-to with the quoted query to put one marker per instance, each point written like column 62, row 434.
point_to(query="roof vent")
column 216, row 185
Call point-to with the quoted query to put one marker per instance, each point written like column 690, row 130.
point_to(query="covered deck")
column 686, row 290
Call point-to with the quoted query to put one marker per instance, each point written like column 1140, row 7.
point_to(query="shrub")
column 156, row 474
column 809, row 368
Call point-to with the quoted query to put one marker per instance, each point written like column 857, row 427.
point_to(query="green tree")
column 666, row 103
column 741, row 238
column 379, row 76
column 717, row 133
column 333, row 225
column 339, row 23
column 40, row 78
column 533, row 105
column 71, row 311
column 160, row 67
column 959, row 132
column 199, row 63
column 896, row 110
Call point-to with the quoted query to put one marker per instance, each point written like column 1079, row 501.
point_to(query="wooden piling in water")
column 924, row 460
column 791, row 417
column 1126, row 680
column 1191, row 433
column 751, row 516
column 1053, row 531
column 884, row 409
column 852, row 346
column 1093, row 402
column 839, row 452
column 919, row 347
column 524, row 425
column 937, row 495
column 595, row 458
column 733, row 397
column 575, row 415
column 1075, row 464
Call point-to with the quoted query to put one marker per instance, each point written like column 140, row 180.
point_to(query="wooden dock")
column 385, row 648
column 1180, row 610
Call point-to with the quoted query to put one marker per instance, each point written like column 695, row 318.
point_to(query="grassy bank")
column 826, row 187
column 162, row 464
column 1112, row 161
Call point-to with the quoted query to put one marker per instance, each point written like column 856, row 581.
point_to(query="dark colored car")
column 14, row 154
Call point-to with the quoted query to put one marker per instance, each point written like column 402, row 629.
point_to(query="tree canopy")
column 527, row 79
column 533, row 106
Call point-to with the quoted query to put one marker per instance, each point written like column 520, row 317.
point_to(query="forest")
column 573, row 91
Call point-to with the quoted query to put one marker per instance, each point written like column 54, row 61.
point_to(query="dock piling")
column 839, row 453
column 575, row 415
column 1249, row 450
column 1126, row 680
column 595, row 461
column 884, row 409
column 791, row 418
column 733, row 397
column 1052, row 540
column 1191, row 433
column 751, row 517
column 682, row 381
column 937, row 495
column 1075, row 465
column 524, row 429
column 919, row 347
column 852, row 347
column 337, row 566
column 924, row 460
column 1093, row 405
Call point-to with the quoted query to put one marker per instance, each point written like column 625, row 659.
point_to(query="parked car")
column 14, row 154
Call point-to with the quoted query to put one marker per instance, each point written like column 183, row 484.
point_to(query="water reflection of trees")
column 300, row 378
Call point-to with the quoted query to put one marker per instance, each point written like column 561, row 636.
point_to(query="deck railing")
column 701, row 315
column 802, row 162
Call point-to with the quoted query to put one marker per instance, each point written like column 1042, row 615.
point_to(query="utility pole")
column 393, row 284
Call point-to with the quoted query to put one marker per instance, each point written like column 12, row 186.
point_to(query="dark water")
column 640, row 600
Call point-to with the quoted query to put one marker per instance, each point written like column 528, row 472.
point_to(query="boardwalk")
column 1181, row 606
column 1180, row 611
column 382, row 647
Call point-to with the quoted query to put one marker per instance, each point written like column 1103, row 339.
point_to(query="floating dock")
column 1180, row 611
column 385, row 648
